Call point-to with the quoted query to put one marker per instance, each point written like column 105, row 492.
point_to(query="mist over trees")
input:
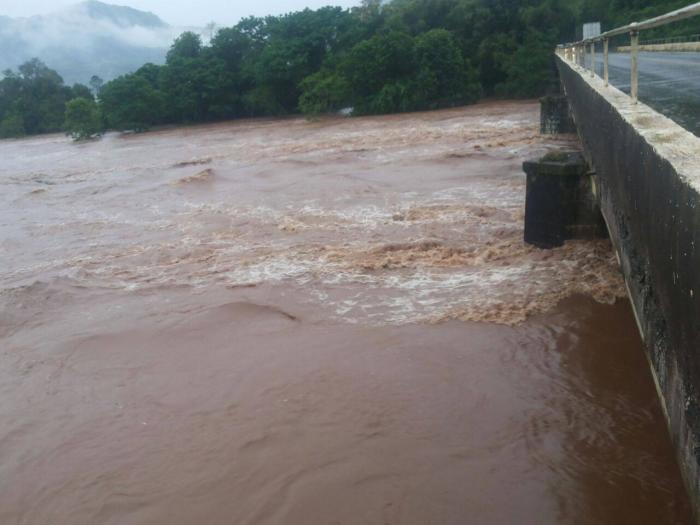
column 381, row 57
column 85, row 39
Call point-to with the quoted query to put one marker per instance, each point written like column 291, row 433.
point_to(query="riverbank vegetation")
column 381, row 57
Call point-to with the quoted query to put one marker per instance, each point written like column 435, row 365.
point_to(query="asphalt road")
column 668, row 82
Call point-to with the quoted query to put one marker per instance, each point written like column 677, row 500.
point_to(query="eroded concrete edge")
column 648, row 185
column 672, row 46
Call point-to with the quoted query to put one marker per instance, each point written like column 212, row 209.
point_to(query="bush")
column 83, row 119
column 323, row 92
column 12, row 126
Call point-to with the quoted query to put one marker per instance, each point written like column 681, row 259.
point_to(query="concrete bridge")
column 646, row 181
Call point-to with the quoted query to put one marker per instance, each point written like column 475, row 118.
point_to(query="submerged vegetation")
column 83, row 118
column 381, row 57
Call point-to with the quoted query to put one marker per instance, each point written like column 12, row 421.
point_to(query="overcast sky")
column 181, row 12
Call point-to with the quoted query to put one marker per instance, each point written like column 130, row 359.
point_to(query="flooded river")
column 300, row 323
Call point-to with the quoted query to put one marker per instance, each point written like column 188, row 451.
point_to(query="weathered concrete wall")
column 555, row 117
column 648, row 185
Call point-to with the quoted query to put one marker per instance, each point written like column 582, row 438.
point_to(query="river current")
column 327, row 322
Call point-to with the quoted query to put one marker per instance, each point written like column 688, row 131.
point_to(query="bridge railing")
column 578, row 51
column 670, row 40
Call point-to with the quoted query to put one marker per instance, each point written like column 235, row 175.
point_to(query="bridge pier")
column 555, row 115
column 560, row 202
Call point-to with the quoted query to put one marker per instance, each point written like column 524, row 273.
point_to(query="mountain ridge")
column 120, row 15
column 85, row 39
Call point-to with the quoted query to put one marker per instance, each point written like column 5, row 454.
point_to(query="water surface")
column 314, row 322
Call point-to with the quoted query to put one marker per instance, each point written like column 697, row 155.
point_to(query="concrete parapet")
column 675, row 46
column 648, row 185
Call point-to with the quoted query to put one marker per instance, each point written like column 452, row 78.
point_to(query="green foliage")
column 32, row 100
column 529, row 69
column 12, row 126
column 296, row 47
column 131, row 103
column 187, row 45
column 323, row 92
column 379, row 57
column 81, row 91
column 83, row 118
column 379, row 71
column 444, row 78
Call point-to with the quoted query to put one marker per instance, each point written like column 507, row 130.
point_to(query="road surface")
column 668, row 82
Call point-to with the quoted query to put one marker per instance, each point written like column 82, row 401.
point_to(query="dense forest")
column 381, row 57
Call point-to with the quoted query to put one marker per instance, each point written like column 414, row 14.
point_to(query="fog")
column 181, row 12
column 81, row 39
column 74, row 27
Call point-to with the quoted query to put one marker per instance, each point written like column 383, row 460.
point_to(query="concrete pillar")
column 560, row 203
column 555, row 117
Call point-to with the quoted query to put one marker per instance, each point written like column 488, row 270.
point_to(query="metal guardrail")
column 577, row 51
column 670, row 40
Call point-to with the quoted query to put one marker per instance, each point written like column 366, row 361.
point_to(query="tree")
column 323, row 92
column 83, row 119
column 382, row 56
column 12, row 126
column 232, row 46
column 187, row 45
column 130, row 103
column 81, row 91
column 528, row 69
column 151, row 73
column 192, row 87
column 379, row 72
column 32, row 100
column 96, row 84
column 444, row 78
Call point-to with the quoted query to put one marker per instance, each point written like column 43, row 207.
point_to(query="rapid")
column 278, row 321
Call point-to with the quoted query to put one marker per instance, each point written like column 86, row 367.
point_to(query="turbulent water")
column 314, row 322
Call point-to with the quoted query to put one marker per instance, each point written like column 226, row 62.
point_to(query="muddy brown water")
column 331, row 322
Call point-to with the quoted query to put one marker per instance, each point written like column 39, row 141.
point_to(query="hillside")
column 90, row 38
column 121, row 16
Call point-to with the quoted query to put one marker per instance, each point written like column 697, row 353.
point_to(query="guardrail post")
column 592, row 59
column 634, row 73
column 586, row 56
column 606, row 75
